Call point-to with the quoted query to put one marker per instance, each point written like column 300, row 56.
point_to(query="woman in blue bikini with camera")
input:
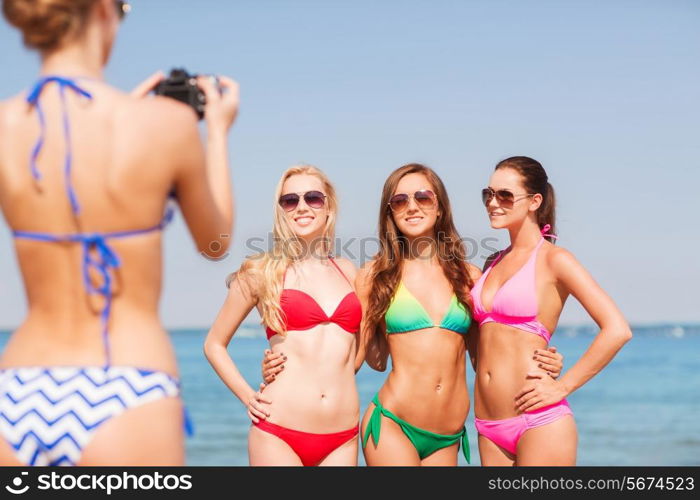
column 90, row 376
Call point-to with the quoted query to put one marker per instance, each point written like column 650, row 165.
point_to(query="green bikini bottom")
column 425, row 442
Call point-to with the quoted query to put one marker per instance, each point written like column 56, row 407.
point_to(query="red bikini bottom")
column 310, row 448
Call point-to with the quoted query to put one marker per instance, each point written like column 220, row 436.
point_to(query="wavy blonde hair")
column 263, row 273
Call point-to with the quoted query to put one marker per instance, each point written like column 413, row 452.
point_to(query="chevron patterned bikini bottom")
column 48, row 415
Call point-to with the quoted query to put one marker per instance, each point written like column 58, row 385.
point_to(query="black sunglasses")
column 314, row 199
column 502, row 195
column 123, row 8
column 424, row 199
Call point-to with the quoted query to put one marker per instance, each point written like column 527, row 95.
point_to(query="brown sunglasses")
column 502, row 195
column 314, row 199
column 424, row 199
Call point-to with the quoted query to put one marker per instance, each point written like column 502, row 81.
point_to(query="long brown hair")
column 388, row 262
column 535, row 181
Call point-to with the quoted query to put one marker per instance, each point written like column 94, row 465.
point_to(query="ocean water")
column 642, row 409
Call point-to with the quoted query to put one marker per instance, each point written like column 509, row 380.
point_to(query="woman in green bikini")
column 419, row 246
column 420, row 411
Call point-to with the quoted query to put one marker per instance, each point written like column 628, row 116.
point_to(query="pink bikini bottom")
column 507, row 432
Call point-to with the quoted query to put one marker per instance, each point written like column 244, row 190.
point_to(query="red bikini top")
column 302, row 312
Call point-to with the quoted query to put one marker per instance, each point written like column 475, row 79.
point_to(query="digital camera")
column 182, row 86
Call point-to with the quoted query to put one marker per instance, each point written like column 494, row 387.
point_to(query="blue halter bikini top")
column 98, row 255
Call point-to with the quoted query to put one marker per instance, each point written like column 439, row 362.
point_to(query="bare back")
column 124, row 164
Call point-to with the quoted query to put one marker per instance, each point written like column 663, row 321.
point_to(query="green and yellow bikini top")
column 406, row 314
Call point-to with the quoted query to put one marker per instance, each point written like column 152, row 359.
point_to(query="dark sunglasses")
column 502, row 195
column 424, row 199
column 123, row 8
column 314, row 199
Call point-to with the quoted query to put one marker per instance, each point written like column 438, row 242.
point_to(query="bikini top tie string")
column 546, row 228
column 33, row 100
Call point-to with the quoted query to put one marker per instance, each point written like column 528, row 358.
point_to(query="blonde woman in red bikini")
column 307, row 303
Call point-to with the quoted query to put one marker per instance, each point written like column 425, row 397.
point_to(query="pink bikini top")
column 515, row 303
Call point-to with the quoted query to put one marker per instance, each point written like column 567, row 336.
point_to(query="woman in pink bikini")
column 521, row 415
column 305, row 297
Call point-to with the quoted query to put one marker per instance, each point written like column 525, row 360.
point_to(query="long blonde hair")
column 264, row 272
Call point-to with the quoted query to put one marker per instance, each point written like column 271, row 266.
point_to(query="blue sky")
column 605, row 94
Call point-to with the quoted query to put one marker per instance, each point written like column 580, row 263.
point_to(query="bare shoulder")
column 3, row 118
column 561, row 260
column 366, row 269
column 474, row 272
column 347, row 266
column 19, row 99
column 164, row 125
column 176, row 117
column 364, row 274
column 253, row 265
column 11, row 110
column 249, row 276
